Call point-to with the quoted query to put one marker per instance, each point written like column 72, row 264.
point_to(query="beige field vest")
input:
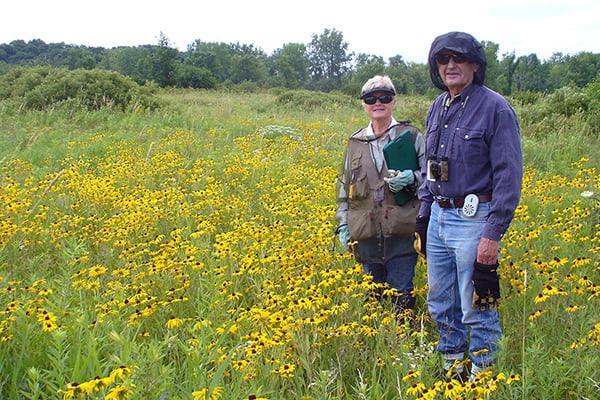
column 367, row 218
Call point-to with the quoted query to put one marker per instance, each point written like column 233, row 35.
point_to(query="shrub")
column 525, row 97
column 592, row 94
column 307, row 100
column 566, row 101
column 42, row 87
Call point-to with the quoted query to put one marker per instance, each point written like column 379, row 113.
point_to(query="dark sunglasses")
column 384, row 99
column 444, row 59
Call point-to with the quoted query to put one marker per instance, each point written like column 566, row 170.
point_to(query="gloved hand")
column 400, row 180
column 420, row 235
column 487, row 286
column 344, row 233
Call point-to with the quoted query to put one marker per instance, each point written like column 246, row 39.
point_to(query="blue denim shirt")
column 480, row 135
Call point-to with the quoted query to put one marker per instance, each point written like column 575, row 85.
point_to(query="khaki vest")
column 367, row 218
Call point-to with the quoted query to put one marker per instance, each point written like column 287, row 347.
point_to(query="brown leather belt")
column 457, row 202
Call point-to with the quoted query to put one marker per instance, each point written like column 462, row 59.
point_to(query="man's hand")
column 487, row 251
column 486, row 281
column 486, row 284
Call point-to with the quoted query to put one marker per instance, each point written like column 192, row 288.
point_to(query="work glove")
column 487, row 286
column 344, row 233
column 398, row 180
column 420, row 235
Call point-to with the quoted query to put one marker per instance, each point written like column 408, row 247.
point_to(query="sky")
column 383, row 28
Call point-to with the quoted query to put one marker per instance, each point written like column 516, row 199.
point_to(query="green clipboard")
column 399, row 155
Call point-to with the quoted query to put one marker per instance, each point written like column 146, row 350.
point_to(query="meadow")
column 189, row 253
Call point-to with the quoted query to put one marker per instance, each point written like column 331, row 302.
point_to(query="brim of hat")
column 455, row 49
column 374, row 90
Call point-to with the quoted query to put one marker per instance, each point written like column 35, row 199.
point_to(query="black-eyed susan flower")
column 174, row 322
column 205, row 394
column 118, row 393
column 540, row 298
column 412, row 375
column 285, row 370
column 536, row 314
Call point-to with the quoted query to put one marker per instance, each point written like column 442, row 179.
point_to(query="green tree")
column 292, row 65
column 582, row 69
column 215, row 57
column 79, row 57
column 508, row 65
column 419, row 81
column 367, row 66
column 493, row 74
column 135, row 62
column 195, row 77
column 164, row 62
column 558, row 71
column 329, row 59
column 530, row 74
column 248, row 68
column 397, row 70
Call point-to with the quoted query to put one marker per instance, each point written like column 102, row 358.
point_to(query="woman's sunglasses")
column 444, row 59
column 384, row 99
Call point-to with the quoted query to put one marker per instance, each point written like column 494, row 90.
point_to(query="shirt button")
column 466, row 136
column 442, row 146
column 446, row 125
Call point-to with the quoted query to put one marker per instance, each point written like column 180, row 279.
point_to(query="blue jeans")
column 452, row 240
column 397, row 272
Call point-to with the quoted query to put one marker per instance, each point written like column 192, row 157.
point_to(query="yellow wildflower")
column 174, row 323
column 217, row 393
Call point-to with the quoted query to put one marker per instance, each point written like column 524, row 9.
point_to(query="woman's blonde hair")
column 378, row 83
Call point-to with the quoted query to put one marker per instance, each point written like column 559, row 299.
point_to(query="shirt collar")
column 371, row 135
column 466, row 92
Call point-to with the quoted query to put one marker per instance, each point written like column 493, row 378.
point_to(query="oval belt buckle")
column 471, row 205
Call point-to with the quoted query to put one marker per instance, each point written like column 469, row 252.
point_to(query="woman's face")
column 380, row 111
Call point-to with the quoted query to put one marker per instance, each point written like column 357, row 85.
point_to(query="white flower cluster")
column 587, row 194
column 274, row 131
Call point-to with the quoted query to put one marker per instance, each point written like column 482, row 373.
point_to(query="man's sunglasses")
column 384, row 99
column 444, row 59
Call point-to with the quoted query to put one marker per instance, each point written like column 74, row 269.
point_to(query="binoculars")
column 438, row 170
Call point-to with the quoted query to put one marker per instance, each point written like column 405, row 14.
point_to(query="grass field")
column 188, row 253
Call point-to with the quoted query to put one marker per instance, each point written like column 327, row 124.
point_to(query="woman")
column 368, row 211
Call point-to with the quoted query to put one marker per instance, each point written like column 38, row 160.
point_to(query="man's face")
column 456, row 72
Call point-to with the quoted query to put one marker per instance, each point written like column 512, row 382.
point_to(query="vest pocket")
column 399, row 221
column 359, row 185
column 361, row 224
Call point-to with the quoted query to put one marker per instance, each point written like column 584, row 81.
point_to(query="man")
column 472, row 184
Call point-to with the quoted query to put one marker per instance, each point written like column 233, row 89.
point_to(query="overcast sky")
column 384, row 28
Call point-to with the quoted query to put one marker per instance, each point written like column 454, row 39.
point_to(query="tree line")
column 324, row 64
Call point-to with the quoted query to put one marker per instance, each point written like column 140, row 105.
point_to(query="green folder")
column 399, row 155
